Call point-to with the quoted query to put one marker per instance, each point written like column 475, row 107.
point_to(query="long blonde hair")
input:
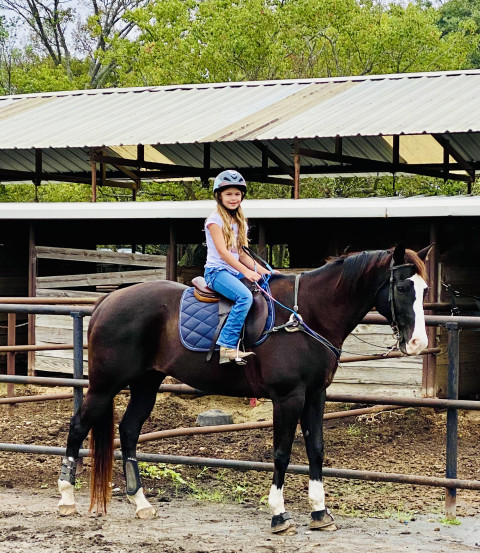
column 227, row 219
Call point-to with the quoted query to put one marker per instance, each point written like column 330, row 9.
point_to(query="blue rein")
column 295, row 323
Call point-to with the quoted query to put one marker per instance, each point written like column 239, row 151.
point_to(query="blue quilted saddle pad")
column 198, row 321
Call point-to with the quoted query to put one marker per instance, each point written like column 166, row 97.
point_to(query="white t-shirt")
column 213, row 257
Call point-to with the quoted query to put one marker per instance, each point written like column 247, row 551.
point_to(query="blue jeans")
column 230, row 286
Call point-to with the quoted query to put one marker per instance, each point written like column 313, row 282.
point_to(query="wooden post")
column 430, row 361
column 262, row 246
column 172, row 254
column 296, row 162
column 12, row 321
column 94, row 174
column 32, row 292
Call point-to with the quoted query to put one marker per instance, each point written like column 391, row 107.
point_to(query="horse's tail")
column 101, row 445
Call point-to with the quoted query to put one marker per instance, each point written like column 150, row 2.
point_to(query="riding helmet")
column 230, row 179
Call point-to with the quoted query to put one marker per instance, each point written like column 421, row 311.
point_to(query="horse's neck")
column 331, row 312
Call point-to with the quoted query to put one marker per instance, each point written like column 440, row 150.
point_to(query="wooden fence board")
column 96, row 256
column 95, row 279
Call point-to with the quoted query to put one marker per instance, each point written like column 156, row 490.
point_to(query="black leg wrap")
column 132, row 475
column 68, row 470
column 321, row 519
column 279, row 521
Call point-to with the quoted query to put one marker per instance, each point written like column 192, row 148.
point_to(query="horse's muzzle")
column 415, row 345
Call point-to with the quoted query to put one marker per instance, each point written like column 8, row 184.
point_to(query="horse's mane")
column 364, row 263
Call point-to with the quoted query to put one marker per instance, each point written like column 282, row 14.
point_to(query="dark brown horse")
column 133, row 341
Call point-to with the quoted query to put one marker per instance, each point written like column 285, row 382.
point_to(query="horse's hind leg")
column 143, row 393
column 312, row 427
column 93, row 407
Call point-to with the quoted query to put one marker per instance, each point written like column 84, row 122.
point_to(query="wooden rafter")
column 362, row 165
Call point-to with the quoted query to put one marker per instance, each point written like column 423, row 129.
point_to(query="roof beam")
column 368, row 165
column 183, row 170
column 452, row 152
column 271, row 155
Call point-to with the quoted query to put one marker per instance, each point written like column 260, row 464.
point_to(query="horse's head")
column 400, row 299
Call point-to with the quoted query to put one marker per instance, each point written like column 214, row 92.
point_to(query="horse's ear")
column 422, row 254
column 399, row 254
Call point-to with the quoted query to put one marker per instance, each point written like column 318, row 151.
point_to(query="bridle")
column 391, row 297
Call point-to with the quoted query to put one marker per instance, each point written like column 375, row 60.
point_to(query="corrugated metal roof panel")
column 233, row 117
column 432, row 103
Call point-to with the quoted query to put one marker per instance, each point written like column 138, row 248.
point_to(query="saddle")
column 201, row 320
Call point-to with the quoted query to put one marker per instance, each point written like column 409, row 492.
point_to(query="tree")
column 184, row 41
column 462, row 16
column 58, row 30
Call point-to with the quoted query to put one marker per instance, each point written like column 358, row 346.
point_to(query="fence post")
column 77, row 357
column 452, row 418
column 11, row 339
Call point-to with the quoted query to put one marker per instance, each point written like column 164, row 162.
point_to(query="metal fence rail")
column 452, row 404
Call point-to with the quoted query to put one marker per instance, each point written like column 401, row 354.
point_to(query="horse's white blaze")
column 66, row 491
column 275, row 500
column 316, row 495
column 140, row 501
column 419, row 340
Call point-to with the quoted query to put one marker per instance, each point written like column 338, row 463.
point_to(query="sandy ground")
column 28, row 522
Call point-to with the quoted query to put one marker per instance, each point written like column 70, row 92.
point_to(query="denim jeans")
column 230, row 286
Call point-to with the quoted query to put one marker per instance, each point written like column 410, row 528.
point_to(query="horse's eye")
column 402, row 288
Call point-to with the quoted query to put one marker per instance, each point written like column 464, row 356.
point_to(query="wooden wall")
column 13, row 283
column 102, row 278
column 466, row 280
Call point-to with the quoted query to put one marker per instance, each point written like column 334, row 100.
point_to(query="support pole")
column 93, row 165
column 430, row 361
column 296, row 181
column 262, row 245
column 172, row 254
column 11, row 328
column 77, row 357
column 452, row 418
column 32, row 292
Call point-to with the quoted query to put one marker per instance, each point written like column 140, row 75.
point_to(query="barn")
column 273, row 132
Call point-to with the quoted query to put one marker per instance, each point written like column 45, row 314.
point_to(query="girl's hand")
column 252, row 276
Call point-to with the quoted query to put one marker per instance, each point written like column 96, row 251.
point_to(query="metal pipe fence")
column 453, row 324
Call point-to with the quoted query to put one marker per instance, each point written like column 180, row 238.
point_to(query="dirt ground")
column 205, row 509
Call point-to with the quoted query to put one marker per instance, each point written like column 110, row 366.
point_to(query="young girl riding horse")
column 226, row 232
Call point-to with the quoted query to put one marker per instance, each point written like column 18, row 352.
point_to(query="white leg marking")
column 316, row 495
column 419, row 341
column 66, row 505
column 275, row 500
column 143, row 509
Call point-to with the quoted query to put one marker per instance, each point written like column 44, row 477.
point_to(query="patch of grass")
column 162, row 472
column 450, row 521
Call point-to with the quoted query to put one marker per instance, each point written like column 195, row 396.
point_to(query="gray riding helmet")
column 229, row 179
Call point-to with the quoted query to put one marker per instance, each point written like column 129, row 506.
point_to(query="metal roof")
column 325, row 208
column 242, row 121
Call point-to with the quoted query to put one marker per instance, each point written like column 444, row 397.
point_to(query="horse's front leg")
column 143, row 394
column 312, row 427
column 286, row 412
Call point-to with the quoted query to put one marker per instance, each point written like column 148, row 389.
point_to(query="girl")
column 226, row 233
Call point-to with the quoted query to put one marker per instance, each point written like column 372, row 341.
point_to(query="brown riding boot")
column 228, row 355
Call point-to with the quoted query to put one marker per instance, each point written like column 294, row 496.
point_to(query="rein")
column 296, row 323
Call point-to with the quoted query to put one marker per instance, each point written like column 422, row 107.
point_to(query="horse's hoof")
column 67, row 510
column 283, row 524
column 322, row 520
column 147, row 512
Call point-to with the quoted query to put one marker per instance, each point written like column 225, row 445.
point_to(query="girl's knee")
column 247, row 297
